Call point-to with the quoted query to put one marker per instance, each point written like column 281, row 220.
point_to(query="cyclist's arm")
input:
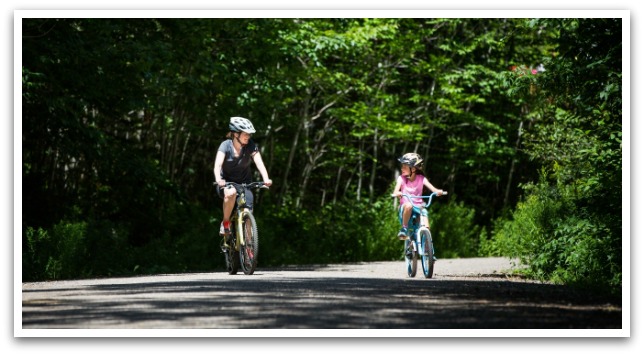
column 257, row 158
column 432, row 188
column 219, row 161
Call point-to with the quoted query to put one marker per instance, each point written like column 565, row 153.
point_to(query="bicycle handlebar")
column 251, row 185
column 409, row 197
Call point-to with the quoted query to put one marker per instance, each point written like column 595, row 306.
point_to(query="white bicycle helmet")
column 411, row 159
column 241, row 124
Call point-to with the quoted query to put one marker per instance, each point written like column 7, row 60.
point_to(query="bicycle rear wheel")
column 411, row 258
column 427, row 253
column 249, row 250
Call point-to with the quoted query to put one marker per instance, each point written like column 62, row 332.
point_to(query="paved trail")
column 464, row 294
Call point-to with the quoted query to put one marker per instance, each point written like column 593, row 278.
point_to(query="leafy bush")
column 453, row 229
column 347, row 232
column 357, row 231
column 54, row 254
column 562, row 238
column 350, row 231
column 74, row 249
column 36, row 253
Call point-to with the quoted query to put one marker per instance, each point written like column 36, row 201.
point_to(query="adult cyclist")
column 232, row 164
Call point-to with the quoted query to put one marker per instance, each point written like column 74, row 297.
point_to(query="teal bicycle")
column 419, row 240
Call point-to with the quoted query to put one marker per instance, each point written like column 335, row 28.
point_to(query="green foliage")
column 454, row 230
column 339, row 233
column 102, row 248
column 37, row 248
column 358, row 231
column 349, row 232
column 75, row 249
column 560, row 239
column 568, row 229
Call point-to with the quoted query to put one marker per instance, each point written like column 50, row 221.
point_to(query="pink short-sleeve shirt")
column 413, row 188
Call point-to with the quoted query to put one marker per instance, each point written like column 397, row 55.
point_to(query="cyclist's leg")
column 229, row 195
column 406, row 213
column 401, row 217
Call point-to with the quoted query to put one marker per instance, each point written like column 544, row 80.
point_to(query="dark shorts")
column 249, row 196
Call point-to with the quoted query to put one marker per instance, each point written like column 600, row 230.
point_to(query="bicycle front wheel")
column 427, row 253
column 411, row 258
column 249, row 249
column 232, row 257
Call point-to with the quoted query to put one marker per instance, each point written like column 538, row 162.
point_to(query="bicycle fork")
column 419, row 248
column 415, row 239
column 239, row 233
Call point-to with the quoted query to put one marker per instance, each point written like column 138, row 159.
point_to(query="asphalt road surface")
column 475, row 293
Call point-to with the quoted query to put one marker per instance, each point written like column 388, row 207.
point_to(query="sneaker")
column 223, row 231
column 402, row 235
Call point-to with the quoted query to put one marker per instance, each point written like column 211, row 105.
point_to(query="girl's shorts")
column 415, row 210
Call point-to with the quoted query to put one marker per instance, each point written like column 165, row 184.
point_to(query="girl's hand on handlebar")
column 222, row 183
column 442, row 192
column 268, row 182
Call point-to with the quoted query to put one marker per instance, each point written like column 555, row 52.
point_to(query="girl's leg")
column 406, row 214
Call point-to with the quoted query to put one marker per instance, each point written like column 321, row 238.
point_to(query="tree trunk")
column 360, row 173
column 289, row 163
column 508, row 186
column 372, row 178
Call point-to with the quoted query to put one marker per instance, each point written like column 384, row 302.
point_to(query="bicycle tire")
column 427, row 253
column 249, row 250
column 232, row 256
column 411, row 258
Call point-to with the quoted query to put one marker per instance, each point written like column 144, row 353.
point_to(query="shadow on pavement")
column 320, row 303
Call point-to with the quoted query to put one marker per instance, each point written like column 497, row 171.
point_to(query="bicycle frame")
column 414, row 219
column 241, row 209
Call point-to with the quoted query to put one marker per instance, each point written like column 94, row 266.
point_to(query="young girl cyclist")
column 411, row 182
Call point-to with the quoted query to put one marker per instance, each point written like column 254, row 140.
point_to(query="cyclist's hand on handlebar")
column 268, row 182
column 221, row 183
column 396, row 194
column 442, row 192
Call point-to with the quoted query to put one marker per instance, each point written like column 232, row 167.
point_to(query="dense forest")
column 519, row 119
